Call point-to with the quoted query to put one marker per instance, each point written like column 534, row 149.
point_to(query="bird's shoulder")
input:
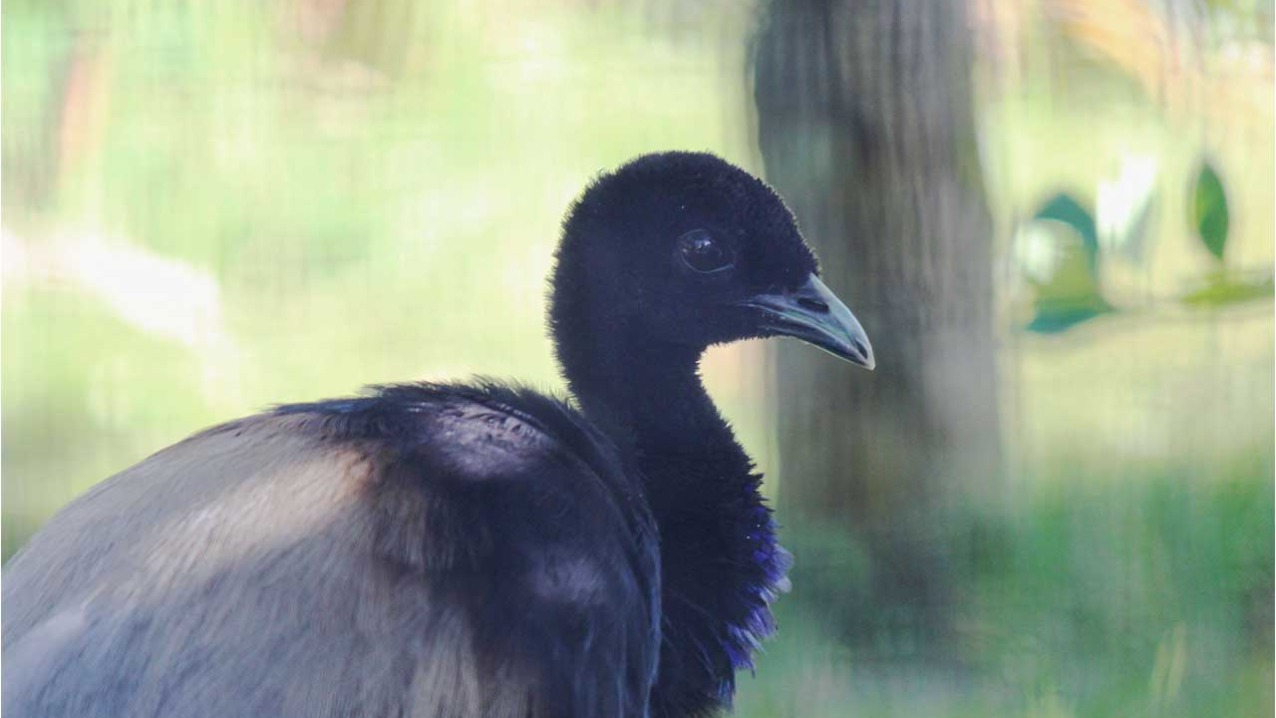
column 482, row 465
column 517, row 496
column 477, row 431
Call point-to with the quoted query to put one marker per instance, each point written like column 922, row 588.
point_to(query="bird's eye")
column 702, row 253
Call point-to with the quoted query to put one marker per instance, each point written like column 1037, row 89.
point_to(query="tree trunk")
column 866, row 125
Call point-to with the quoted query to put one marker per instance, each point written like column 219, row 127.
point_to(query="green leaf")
column 1070, row 294
column 1222, row 290
column 1054, row 318
column 1210, row 217
column 1067, row 210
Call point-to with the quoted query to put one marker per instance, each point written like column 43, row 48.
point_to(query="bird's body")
column 435, row 536
column 458, row 551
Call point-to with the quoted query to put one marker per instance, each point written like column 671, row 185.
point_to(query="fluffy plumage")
column 459, row 550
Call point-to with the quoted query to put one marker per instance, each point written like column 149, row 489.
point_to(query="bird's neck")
column 720, row 562
column 648, row 397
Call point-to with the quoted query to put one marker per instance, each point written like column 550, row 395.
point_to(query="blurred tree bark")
column 866, row 125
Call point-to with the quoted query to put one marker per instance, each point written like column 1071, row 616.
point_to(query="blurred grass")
column 1150, row 595
column 209, row 208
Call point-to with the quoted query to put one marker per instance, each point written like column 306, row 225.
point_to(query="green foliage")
column 1058, row 315
column 1209, row 214
column 1211, row 222
column 1069, row 293
column 1147, row 593
column 1064, row 208
column 1223, row 288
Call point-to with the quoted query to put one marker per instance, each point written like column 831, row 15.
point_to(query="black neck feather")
column 720, row 563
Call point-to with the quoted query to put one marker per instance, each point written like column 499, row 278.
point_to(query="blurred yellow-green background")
column 1054, row 498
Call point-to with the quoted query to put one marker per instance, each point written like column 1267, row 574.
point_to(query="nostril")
column 814, row 305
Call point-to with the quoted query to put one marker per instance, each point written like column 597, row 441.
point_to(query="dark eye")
column 704, row 254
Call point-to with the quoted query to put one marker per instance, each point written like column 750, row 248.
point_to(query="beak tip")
column 861, row 359
column 813, row 314
column 862, row 353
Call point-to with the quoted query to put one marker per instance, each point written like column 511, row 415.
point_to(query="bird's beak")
column 814, row 314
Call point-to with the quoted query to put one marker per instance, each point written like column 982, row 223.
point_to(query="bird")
column 456, row 549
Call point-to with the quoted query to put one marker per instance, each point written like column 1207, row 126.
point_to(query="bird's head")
column 691, row 250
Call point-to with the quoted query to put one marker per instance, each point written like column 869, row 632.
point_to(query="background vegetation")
column 212, row 207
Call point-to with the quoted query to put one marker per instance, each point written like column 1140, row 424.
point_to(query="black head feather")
column 621, row 259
